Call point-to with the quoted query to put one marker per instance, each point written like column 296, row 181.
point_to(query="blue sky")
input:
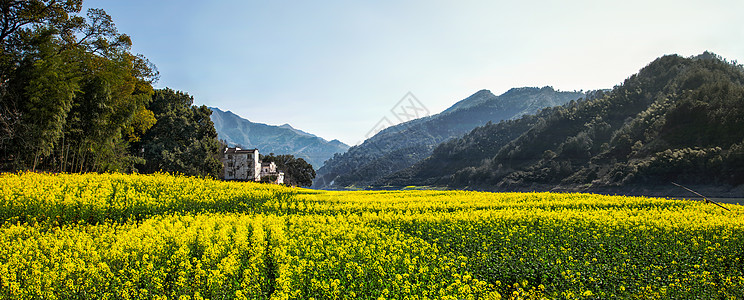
column 336, row 68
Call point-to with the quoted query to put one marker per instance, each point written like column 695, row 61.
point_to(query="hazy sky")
column 335, row 68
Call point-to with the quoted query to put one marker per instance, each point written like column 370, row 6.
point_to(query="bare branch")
column 704, row 198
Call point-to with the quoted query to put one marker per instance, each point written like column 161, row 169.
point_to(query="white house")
column 268, row 167
column 241, row 164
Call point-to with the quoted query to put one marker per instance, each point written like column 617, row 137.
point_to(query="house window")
column 229, row 157
column 229, row 165
column 230, row 174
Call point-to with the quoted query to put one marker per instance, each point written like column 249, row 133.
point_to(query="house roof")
column 239, row 151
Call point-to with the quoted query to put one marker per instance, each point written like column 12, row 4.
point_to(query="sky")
column 336, row 68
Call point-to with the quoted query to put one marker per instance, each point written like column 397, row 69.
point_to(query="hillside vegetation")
column 158, row 236
column 679, row 119
column 400, row 146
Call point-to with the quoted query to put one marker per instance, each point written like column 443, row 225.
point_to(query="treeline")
column 679, row 119
column 74, row 98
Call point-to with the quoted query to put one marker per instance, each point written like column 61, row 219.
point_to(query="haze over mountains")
column 402, row 145
column 282, row 139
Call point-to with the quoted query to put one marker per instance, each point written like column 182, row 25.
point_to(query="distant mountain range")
column 677, row 120
column 400, row 146
column 283, row 139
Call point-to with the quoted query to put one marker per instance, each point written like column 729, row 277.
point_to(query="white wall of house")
column 280, row 178
column 267, row 168
column 244, row 164
column 241, row 164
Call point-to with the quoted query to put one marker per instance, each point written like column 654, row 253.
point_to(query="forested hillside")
column 678, row 119
column 400, row 146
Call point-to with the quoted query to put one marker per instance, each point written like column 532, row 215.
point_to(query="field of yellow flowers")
column 116, row 236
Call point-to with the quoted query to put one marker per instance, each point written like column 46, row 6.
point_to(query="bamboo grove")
column 116, row 236
column 75, row 98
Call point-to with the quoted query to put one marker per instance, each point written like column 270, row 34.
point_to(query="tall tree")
column 71, row 94
column 183, row 140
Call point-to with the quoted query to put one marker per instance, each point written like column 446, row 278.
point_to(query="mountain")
column 400, row 146
column 282, row 139
column 300, row 132
column 676, row 120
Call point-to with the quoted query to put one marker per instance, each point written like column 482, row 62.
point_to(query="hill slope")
column 282, row 139
column 679, row 119
column 400, row 146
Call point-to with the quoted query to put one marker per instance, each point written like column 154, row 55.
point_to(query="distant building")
column 241, row 164
column 268, row 167
column 268, row 170
column 245, row 164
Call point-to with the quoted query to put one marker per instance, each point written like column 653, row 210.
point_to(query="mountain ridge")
column 282, row 139
column 676, row 120
column 402, row 145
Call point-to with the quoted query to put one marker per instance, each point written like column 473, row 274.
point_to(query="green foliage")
column 45, row 87
column 297, row 172
column 183, row 140
column 73, row 94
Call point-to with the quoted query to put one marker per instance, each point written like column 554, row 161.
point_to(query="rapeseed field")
column 117, row 236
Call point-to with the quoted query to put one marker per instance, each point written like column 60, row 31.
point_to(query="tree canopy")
column 297, row 171
column 183, row 140
column 72, row 95
column 74, row 98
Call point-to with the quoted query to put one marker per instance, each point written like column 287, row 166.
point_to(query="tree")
column 71, row 94
column 18, row 15
column 183, row 140
column 297, row 171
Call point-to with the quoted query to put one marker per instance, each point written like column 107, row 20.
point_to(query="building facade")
column 268, row 170
column 241, row 164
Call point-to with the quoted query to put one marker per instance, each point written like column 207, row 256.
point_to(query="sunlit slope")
column 155, row 236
